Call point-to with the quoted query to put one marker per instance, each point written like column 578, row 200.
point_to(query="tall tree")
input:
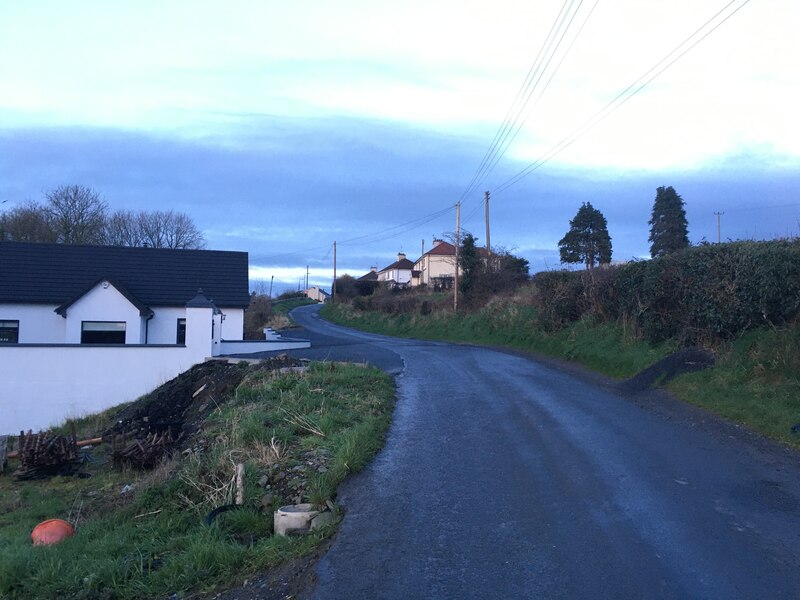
column 668, row 225
column 587, row 240
column 76, row 214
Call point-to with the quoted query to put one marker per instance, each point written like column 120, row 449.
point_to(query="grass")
column 152, row 541
column 280, row 319
column 605, row 348
column 756, row 381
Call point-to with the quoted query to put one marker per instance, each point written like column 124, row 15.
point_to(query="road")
column 508, row 477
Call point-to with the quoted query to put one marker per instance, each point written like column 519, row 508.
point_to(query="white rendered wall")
column 44, row 385
column 163, row 327
column 104, row 304
column 233, row 325
column 250, row 346
column 38, row 323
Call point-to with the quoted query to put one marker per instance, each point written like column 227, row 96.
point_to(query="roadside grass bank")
column 755, row 382
column 280, row 318
column 605, row 348
column 141, row 534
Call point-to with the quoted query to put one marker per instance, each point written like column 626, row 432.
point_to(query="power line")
column 534, row 76
column 628, row 93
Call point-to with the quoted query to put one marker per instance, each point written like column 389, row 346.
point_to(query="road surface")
column 507, row 477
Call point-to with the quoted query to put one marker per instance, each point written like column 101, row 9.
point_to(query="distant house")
column 318, row 294
column 65, row 294
column 437, row 266
column 398, row 274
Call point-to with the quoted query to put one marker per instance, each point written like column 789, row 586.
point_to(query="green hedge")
column 703, row 293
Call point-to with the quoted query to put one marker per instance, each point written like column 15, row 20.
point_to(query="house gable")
column 103, row 303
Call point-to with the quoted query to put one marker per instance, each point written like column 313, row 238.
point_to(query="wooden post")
column 333, row 287
column 239, row 484
column 458, row 243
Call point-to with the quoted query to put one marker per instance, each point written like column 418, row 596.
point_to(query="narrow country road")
column 504, row 477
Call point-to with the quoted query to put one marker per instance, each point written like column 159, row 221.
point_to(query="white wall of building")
column 44, row 385
column 233, row 325
column 104, row 303
column 38, row 323
column 163, row 327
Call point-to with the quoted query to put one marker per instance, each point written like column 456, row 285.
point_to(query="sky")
column 281, row 127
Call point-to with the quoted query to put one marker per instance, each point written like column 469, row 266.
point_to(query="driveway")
column 507, row 477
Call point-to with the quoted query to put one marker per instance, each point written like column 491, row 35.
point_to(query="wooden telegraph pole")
column 719, row 227
column 458, row 243
column 488, row 245
column 333, row 287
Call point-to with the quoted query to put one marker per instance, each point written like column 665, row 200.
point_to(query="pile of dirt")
column 677, row 363
column 179, row 407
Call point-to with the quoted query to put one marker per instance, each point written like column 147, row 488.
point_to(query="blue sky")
column 281, row 127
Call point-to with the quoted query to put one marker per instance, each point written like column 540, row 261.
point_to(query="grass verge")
column 298, row 435
column 604, row 348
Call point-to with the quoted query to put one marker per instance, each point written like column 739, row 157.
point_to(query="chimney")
column 436, row 242
column 400, row 256
column 373, row 269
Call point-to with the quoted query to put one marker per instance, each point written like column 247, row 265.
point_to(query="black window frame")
column 11, row 330
column 96, row 336
column 180, row 335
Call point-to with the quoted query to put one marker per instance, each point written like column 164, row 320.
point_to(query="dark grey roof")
column 57, row 273
column 403, row 265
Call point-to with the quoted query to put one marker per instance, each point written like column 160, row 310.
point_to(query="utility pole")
column 306, row 277
column 458, row 243
column 719, row 227
column 333, row 287
column 271, row 279
column 488, row 245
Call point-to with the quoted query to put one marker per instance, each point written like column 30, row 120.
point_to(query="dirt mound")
column 678, row 363
column 179, row 406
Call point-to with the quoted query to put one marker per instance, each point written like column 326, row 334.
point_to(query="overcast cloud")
column 281, row 127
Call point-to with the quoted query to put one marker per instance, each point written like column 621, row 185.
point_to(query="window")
column 102, row 332
column 9, row 332
column 181, row 338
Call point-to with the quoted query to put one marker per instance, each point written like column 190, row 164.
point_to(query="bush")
column 700, row 294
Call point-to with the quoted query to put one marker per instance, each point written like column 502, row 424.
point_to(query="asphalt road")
column 507, row 477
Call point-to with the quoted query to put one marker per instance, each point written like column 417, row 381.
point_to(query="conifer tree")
column 668, row 225
column 587, row 240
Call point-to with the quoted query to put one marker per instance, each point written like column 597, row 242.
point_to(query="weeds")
column 145, row 543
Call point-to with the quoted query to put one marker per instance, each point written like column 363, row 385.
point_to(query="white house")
column 318, row 294
column 397, row 274
column 83, row 328
column 65, row 294
column 436, row 267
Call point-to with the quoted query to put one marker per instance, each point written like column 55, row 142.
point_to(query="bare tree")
column 169, row 229
column 76, row 214
column 25, row 223
column 122, row 229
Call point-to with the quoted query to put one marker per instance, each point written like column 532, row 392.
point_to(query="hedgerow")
column 704, row 293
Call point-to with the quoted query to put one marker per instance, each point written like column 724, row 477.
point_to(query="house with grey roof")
column 83, row 328
column 64, row 294
column 398, row 274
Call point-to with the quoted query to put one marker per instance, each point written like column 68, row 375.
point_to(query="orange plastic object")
column 51, row 532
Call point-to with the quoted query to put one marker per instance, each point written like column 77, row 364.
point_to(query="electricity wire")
column 525, row 91
column 628, row 93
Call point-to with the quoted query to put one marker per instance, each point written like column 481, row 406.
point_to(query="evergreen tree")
column 587, row 240
column 668, row 225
